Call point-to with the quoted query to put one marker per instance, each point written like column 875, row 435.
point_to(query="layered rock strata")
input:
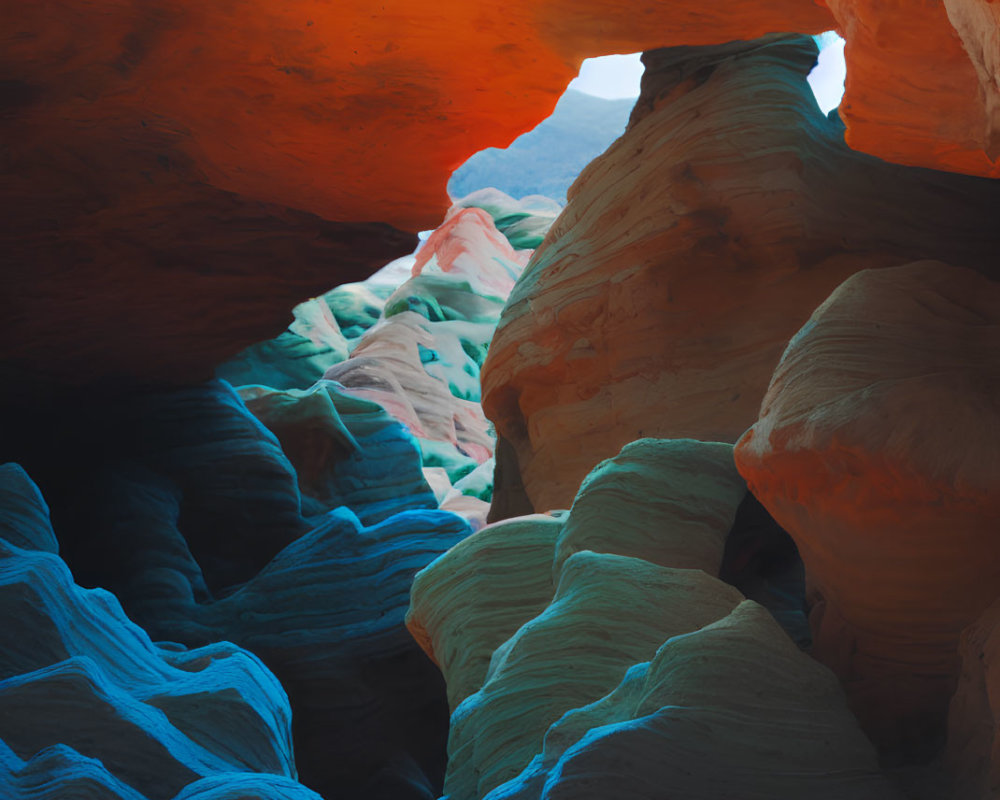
column 166, row 159
column 575, row 673
column 411, row 339
column 974, row 713
column 90, row 707
column 193, row 515
column 689, row 253
column 877, row 450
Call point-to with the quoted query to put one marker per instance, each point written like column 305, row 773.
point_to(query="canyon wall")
column 690, row 252
column 162, row 159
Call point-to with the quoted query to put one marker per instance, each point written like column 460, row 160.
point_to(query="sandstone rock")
column 893, row 89
column 326, row 615
column 165, row 160
column 549, row 694
column 88, row 701
column 295, row 359
column 346, row 451
column 670, row 502
column 974, row 713
column 524, row 222
column 24, row 516
column 466, row 603
column 731, row 710
column 422, row 360
column 387, row 367
column 469, row 244
column 608, row 613
column 189, row 510
column 691, row 251
column 876, row 448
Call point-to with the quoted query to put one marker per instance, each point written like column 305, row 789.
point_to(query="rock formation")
column 974, row 714
column 876, row 450
column 574, row 673
column 701, row 718
column 220, row 567
column 690, row 252
column 90, row 707
column 163, row 160
column 192, row 514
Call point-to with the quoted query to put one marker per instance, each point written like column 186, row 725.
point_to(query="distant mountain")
column 547, row 159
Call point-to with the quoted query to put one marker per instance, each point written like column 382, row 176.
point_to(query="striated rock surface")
column 690, row 252
column 703, row 718
column 670, row 502
column 90, row 707
column 573, row 673
column 190, row 511
column 468, row 602
column 346, row 451
column 902, row 106
column 326, row 616
column 974, row 713
column 412, row 339
column 524, row 222
column 189, row 172
column 877, row 449
column 608, row 613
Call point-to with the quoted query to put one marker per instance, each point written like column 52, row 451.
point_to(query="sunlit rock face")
column 876, row 449
column 177, row 175
column 585, row 659
column 689, row 253
column 900, row 105
column 91, row 708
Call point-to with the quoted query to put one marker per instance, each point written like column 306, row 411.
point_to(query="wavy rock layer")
column 877, row 449
column 90, row 707
column 608, row 613
column 346, row 451
column 538, row 637
column 326, row 616
column 690, row 252
column 190, row 511
column 473, row 598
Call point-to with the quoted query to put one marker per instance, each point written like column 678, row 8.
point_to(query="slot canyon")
column 384, row 420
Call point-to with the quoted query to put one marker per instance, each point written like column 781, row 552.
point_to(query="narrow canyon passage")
column 669, row 468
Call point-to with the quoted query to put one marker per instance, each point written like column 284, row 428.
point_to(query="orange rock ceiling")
column 357, row 111
column 152, row 149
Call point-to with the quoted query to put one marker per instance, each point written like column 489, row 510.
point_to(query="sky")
column 618, row 76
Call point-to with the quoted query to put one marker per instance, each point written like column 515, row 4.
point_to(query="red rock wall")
column 152, row 147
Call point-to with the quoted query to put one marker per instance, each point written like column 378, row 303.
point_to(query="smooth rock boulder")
column 877, row 449
column 669, row 501
column 469, row 601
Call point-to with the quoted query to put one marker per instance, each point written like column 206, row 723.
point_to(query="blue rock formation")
column 90, row 706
